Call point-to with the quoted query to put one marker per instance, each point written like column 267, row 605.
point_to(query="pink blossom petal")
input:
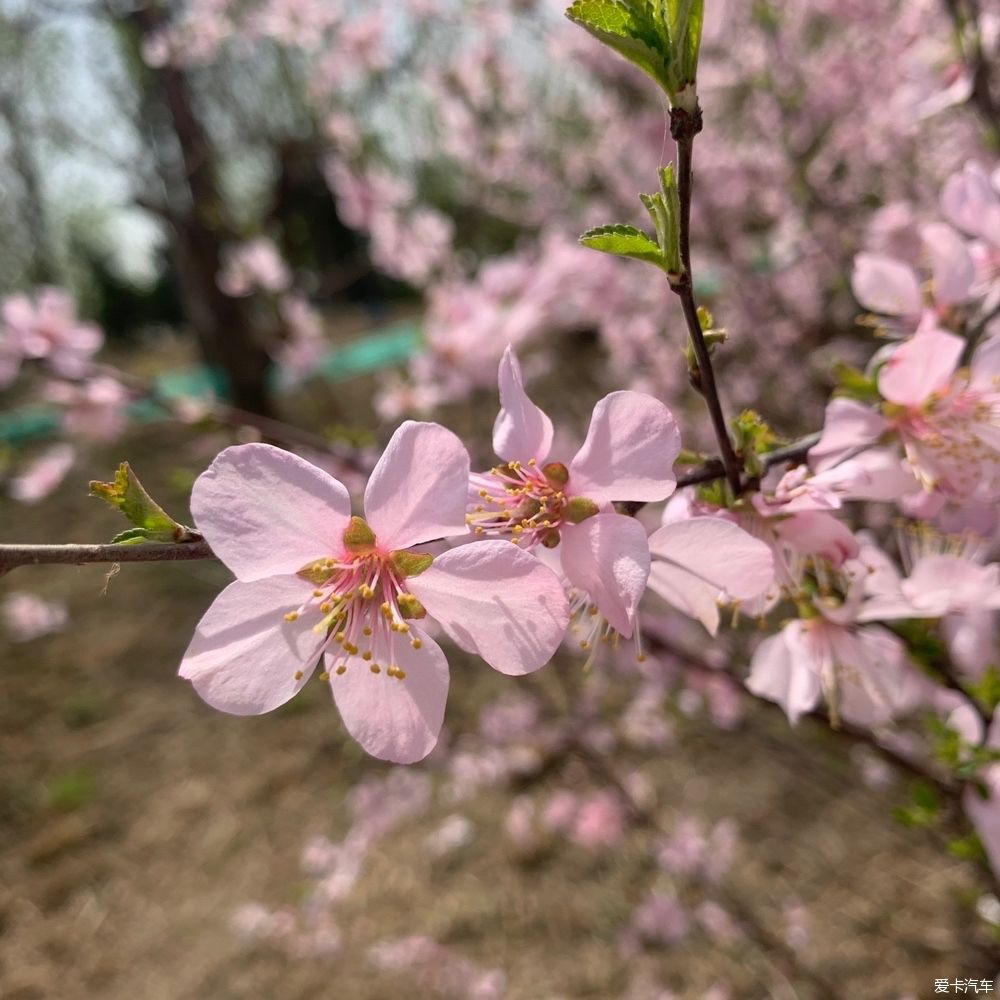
column 970, row 203
column 920, row 366
column 522, row 430
column 244, row 656
column 700, row 561
column 267, row 512
column 876, row 681
column 943, row 584
column 629, row 451
column 985, row 366
column 607, row 557
column 951, row 263
column 847, row 427
column 886, row 286
column 418, row 490
column 498, row 601
column 783, row 671
column 395, row 719
column 819, row 534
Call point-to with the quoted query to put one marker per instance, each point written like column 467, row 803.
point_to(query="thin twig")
column 684, row 126
column 714, row 469
column 13, row 556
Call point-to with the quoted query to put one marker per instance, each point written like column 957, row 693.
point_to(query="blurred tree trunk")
column 196, row 217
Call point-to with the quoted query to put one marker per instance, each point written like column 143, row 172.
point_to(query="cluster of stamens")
column 521, row 501
column 592, row 630
column 364, row 604
column 525, row 503
column 917, row 540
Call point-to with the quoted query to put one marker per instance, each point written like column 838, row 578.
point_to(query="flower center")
column 526, row 503
column 944, row 442
column 364, row 602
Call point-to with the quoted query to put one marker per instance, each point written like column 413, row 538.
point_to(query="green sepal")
column 152, row 523
column 556, row 473
column 408, row 564
column 358, row 537
column 316, row 573
column 410, row 607
column 579, row 509
column 855, row 384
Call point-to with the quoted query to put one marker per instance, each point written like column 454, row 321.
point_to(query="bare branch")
column 13, row 556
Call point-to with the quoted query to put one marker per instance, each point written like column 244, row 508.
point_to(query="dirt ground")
column 134, row 821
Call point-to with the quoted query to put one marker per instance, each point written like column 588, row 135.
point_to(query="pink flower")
column 256, row 264
column 44, row 474
column 886, row 286
column 28, row 617
column 972, row 204
column 939, row 585
column 95, row 409
column 628, row 454
column 48, row 329
column 600, row 821
column 948, row 419
column 313, row 582
column 863, row 673
column 700, row 562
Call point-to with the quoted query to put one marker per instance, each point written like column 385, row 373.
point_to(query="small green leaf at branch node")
column 624, row 241
column 151, row 522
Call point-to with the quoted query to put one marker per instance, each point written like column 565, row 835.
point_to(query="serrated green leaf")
column 630, row 29
column 151, row 521
column 624, row 241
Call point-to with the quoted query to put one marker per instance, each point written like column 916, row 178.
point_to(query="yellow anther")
column 317, row 593
column 298, row 675
column 416, row 643
column 341, row 670
column 400, row 674
column 325, row 676
column 375, row 668
column 367, row 630
column 366, row 655
column 351, row 648
column 292, row 616
column 326, row 607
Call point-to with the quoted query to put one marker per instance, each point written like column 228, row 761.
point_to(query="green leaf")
column 131, row 537
column 987, row 688
column 624, row 241
column 684, row 23
column 152, row 523
column 631, row 28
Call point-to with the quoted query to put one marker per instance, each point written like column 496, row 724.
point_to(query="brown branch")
column 714, row 469
column 13, row 556
column 684, row 126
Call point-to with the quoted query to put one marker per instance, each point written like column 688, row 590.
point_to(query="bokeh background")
column 304, row 220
